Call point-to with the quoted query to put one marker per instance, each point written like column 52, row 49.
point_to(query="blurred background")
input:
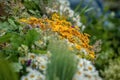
column 102, row 20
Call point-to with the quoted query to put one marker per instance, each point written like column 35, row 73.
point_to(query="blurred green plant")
column 113, row 71
column 62, row 65
column 22, row 8
column 6, row 71
column 105, row 28
column 12, row 41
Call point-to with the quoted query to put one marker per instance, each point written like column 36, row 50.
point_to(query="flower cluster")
column 33, row 75
column 63, row 7
column 65, row 29
column 86, row 71
column 37, row 65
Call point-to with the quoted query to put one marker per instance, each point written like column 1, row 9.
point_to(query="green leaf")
column 31, row 37
column 39, row 51
column 5, row 37
column 32, row 12
column 30, row 4
column 12, row 24
column 4, row 25
column 16, row 40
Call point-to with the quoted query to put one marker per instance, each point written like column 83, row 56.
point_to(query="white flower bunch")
column 85, row 68
column 36, row 66
column 33, row 75
column 86, row 71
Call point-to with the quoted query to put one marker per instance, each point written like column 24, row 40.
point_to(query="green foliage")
column 10, row 8
column 62, row 65
column 32, row 7
column 31, row 37
column 5, row 38
column 13, row 38
column 113, row 71
column 109, row 36
column 6, row 71
column 103, row 59
column 39, row 51
column 16, row 40
column 36, row 7
column 9, row 25
column 9, row 50
column 27, row 4
column 4, row 25
column 105, row 28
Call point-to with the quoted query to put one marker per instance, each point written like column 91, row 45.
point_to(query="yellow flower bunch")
column 34, row 22
column 65, row 29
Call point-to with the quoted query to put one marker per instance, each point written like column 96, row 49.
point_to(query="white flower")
column 22, row 60
column 42, row 66
column 83, row 27
column 48, row 10
column 24, row 78
column 64, row 2
column 31, row 56
column 40, row 59
column 71, row 13
column 33, row 75
column 78, row 76
column 23, row 49
column 39, row 43
column 29, row 69
column 78, row 23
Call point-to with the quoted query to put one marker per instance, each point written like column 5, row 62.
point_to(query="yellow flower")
column 55, row 16
column 33, row 18
column 92, row 55
column 23, row 20
column 78, row 47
